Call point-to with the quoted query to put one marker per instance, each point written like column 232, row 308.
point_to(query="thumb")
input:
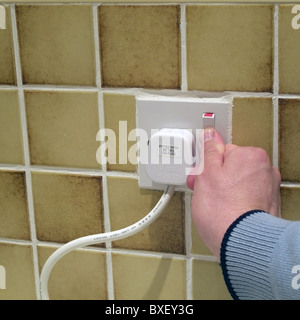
column 214, row 148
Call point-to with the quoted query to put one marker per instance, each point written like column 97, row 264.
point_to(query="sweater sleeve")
column 260, row 257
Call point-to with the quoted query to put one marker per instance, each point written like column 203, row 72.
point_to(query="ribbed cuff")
column 246, row 254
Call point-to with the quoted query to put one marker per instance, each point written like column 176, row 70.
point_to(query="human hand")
column 234, row 180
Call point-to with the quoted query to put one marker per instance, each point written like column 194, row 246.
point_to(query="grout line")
column 275, row 133
column 16, row 47
column 102, row 249
column 8, row 87
column 275, row 52
column 68, row 170
column 16, row 241
column 58, row 88
column 290, row 184
column 143, row 253
column 73, row 171
column 65, row 170
column 149, row 3
column 189, row 278
column 12, row 167
column 80, row 3
column 184, row 86
column 107, row 228
column 110, row 276
column 100, row 111
column 201, row 257
column 120, row 174
column 97, row 46
column 275, row 89
column 106, row 217
column 138, row 91
column 117, row 174
column 26, row 148
column 62, row 170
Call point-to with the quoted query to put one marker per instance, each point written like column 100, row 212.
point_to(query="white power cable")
column 102, row 237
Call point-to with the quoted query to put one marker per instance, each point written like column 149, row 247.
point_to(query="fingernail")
column 209, row 134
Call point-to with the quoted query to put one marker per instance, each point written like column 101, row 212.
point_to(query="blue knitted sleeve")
column 260, row 257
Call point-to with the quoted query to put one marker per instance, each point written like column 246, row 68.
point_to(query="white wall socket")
column 158, row 112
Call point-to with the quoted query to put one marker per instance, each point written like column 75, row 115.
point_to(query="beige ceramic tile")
column 140, row 46
column 14, row 217
column 208, row 282
column 7, row 60
column 288, row 50
column 80, row 275
column 198, row 246
column 252, row 123
column 128, row 204
column 11, row 142
column 229, row 47
column 62, row 128
column 148, row 278
column 17, row 261
column 118, row 109
column 290, row 203
column 56, row 44
column 289, row 137
column 66, row 206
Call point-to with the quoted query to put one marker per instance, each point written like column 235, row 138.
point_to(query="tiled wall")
column 67, row 70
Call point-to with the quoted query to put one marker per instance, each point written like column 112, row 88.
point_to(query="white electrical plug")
column 171, row 156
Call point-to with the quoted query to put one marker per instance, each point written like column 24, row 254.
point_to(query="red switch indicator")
column 208, row 119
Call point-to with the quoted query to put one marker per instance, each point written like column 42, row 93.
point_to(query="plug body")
column 171, row 156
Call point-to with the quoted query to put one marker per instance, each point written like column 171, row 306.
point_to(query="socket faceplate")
column 158, row 112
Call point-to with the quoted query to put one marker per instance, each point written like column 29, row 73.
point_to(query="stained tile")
column 56, row 44
column 120, row 116
column 14, row 216
column 148, row 278
column 208, row 282
column 220, row 42
column 66, row 206
column 252, row 123
column 62, row 128
column 140, row 46
column 17, row 263
column 7, row 59
column 288, row 50
column 128, row 204
column 289, row 135
column 11, row 141
column 290, row 203
column 80, row 275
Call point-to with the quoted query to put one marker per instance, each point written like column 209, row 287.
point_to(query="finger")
column 191, row 178
column 229, row 147
column 214, row 147
column 277, row 175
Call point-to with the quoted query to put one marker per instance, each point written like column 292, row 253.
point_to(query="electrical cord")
column 103, row 237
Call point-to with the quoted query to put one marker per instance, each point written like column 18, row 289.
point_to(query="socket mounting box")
column 158, row 112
